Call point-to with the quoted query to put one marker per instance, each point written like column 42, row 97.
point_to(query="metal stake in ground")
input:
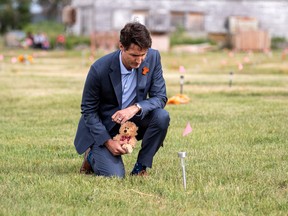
column 230, row 78
column 181, row 84
column 182, row 155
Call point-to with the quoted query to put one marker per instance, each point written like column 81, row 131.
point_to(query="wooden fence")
column 251, row 40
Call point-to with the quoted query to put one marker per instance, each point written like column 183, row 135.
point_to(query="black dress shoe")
column 86, row 167
column 139, row 170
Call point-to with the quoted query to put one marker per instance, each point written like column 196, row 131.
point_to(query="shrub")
column 181, row 37
column 73, row 41
column 278, row 42
column 53, row 29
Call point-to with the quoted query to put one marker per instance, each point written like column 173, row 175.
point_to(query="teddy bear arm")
column 133, row 142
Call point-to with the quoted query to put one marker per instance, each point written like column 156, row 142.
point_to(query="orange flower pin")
column 145, row 70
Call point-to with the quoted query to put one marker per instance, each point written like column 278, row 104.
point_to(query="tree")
column 14, row 14
column 23, row 13
column 52, row 8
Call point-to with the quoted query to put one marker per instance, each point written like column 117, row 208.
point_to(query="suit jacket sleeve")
column 90, row 108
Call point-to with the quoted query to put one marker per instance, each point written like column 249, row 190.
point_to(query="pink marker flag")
column 187, row 130
column 240, row 67
column 224, row 62
column 1, row 57
column 13, row 60
column 182, row 69
column 246, row 59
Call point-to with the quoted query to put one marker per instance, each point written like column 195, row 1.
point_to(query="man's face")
column 133, row 57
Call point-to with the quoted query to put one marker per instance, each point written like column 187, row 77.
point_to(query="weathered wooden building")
column 198, row 17
column 166, row 15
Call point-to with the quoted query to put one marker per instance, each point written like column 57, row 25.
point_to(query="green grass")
column 237, row 154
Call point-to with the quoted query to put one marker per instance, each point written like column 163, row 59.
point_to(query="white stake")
column 182, row 155
column 181, row 84
column 230, row 78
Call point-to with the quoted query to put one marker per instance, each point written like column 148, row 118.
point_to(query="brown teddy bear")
column 127, row 132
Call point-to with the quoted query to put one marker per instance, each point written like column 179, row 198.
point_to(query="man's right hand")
column 115, row 147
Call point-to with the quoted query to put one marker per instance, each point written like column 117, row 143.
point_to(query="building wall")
column 272, row 15
column 111, row 15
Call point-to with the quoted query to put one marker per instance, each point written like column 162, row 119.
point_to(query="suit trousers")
column 152, row 130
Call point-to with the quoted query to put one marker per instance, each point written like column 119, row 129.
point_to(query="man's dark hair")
column 135, row 33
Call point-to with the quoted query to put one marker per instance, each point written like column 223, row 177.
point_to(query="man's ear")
column 121, row 47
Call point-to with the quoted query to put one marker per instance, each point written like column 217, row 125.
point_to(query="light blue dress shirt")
column 128, row 78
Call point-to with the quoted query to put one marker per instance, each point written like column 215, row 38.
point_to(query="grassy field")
column 237, row 153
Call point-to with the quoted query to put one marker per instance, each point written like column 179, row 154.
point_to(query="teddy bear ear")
column 121, row 127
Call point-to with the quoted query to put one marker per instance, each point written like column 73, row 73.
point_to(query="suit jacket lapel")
column 141, row 80
column 115, row 77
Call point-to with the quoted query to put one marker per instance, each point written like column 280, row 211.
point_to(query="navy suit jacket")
column 102, row 96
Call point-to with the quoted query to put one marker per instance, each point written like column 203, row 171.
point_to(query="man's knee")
column 119, row 173
column 110, row 171
column 162, row 118
column 104, row 164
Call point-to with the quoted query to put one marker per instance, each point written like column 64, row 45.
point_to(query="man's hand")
column 124, row 115
column 115, row 147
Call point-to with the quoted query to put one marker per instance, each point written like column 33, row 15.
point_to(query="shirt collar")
column 123, row 69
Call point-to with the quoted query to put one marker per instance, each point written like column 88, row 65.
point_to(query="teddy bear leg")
column 128, row 147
